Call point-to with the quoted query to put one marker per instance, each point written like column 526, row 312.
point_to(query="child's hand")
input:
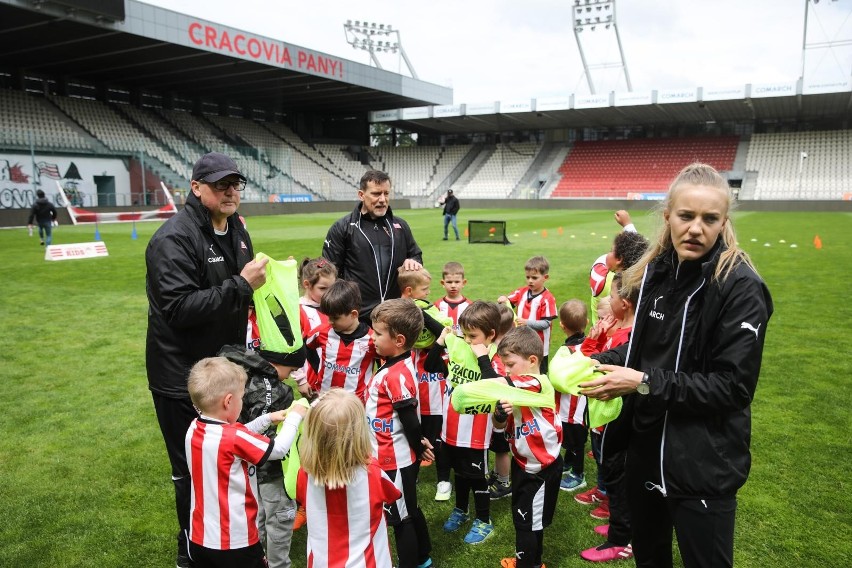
column 479, row 349
column 502, row 410
column 441, row 340
column 609, row 322
column 299, row 409
column 502, row 299
column 622, row 217
column 278, row 416
column 428, row 454
column 307, row 391
column 520, row 321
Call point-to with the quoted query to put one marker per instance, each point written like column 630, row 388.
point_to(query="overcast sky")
column 512, row 50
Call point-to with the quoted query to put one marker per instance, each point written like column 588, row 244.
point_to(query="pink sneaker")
column 599, row 554
column 602, row 530
column 601, row 512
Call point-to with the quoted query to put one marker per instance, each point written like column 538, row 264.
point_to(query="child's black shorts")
column 405, row 480
column 534, row 496
column 467, row 462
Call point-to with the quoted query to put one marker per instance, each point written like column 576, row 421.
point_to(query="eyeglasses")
column 223, row 185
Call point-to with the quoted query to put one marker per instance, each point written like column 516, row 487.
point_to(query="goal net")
column 487, row 232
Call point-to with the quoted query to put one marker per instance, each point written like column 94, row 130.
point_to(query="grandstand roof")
column 136, row 46
column 781, row 101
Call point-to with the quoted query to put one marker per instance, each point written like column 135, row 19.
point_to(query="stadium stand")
column 502, row 171
column 26, row 119
column 825, row 159
column 611, row 168
column 118, row 133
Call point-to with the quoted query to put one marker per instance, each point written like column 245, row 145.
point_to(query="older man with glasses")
column 200, row 280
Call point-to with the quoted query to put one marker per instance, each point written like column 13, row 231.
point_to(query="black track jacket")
column 197, row 301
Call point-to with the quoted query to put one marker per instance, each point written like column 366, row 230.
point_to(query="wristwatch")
column 644, row 386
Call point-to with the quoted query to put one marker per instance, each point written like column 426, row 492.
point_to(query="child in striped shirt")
column 221, row 454
column 342, row 487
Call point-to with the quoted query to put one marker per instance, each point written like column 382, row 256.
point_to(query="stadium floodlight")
column 590, row 14
column 361, row 34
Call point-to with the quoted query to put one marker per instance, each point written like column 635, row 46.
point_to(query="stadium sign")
column 544, row 104
column 290, row 198
column 517, row 106
column 415, row 113
column 765, row 90
column 471, row 109
column 591, row 101
column 75, row 251
column 384, row 115
column 236, row 43
column 446, row 111
column 723, row 93
column 819, row 88
column 677, row 96
column 633, row 99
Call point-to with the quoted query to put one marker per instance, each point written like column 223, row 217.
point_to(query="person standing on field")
column 200, row 279
column 369, row 245
column 451, row 209
column 688, row 375
column 44, row 213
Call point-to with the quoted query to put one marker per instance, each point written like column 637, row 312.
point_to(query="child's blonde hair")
column 412, row 278
column 604, row 303
column 211, row 379
column 335, row 440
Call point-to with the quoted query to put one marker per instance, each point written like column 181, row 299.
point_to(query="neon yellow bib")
column 278, row 298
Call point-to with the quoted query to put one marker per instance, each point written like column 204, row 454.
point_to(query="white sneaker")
column 445, row 489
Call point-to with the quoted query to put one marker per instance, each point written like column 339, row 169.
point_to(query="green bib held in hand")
column 276, row 306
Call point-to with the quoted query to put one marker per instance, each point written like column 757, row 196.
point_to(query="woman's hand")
column 618, row 381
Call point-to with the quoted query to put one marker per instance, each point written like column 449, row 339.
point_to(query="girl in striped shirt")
column 342, row 487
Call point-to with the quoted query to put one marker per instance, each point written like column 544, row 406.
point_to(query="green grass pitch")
column 84, row 477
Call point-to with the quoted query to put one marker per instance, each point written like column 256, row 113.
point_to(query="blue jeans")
column 447, row 219
column 45, row 231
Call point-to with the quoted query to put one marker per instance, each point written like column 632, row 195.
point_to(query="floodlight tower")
column 830, row 45
column 361, row 35
column 592, row 15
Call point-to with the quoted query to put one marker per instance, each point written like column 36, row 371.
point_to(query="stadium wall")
column 18, row 217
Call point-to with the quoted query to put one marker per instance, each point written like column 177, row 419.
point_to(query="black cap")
column 294, row 359
column 449, row 191
column 214, row 166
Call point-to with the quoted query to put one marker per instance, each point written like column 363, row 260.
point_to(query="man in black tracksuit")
column 44, row 213
column 451, row 209
column 369, row 245
column 200, row 280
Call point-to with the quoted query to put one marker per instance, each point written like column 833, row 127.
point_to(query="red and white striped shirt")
column 393, row 383
column 534, row 434
column 542, row 306
column 468, row 430
column 222, row 459
column 430, row 386
column 310, row 318
column 346, row 526
column 346, row 364
column 453, row 310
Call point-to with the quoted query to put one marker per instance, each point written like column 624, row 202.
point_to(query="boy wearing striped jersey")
column 453, row 303
column 466, row 437
column 535, row 437
column 535, row 304
column 391, row 406
column 346, row 344
column 223, row 456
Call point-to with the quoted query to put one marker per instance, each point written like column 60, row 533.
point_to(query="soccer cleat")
column 425, row 463
column 457, row 518
column 601, row 512
column 572, row 482
column 590, row 497
column 602, row 530
column 184, row 561
column 513, row 562
column 498, row 490
column 300, row 520
column 445, row 489
column 607, row 552
column 478, row 532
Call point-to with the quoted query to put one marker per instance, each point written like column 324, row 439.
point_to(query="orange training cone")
column 817, row 242
column 544, row 233
column 466, row 234
column 559, row 230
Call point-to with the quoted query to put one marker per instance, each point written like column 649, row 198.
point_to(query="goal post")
column 487, row 232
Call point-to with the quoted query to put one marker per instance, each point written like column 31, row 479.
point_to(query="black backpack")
column 265, row 392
